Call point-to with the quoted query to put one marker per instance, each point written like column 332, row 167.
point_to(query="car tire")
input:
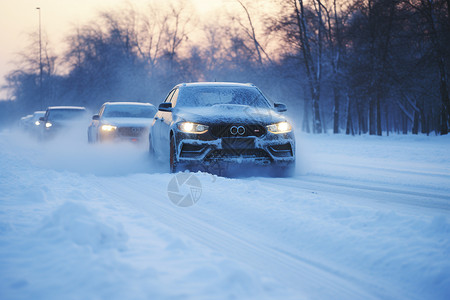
column 90, row 141
column 151, row 150
column 283, row 171
column 173, row 164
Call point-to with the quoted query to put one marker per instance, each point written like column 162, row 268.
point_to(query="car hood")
column 69, row 122
column 229, row 113
column 130, row 122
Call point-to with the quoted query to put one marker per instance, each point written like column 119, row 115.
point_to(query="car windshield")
column 66, row 114
column 207, row 96
column 129, row 111
column 36, row 116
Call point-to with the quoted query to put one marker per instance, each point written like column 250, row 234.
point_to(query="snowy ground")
column 364, row 218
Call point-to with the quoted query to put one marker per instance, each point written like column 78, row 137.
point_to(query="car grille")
column 131, row 131
column 236, row 153
column 225, row 130
column 189, row 150
column 282, row 150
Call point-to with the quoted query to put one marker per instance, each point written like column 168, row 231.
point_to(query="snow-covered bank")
column 365, row 217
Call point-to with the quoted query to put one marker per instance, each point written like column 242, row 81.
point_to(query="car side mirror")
column 280, row 107
column 41, row 119
column 166, row 106
column 95, row 117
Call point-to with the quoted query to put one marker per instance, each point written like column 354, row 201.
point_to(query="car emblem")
column 234, row 130
column 134, row 129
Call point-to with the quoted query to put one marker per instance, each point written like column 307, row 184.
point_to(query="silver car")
column 121, row 121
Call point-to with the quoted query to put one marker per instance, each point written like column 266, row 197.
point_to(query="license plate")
column 238, row 143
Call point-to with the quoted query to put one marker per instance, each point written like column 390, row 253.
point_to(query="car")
column 31, row 123
column 35, row 125
column 59, row 119
column 121, row 121
column 25, row 122
column 216, row 127
column 36, row 116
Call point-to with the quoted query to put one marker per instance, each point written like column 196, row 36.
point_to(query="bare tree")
column 437, row 20
column 176, row 30
column 251, row 33
column 335, row 46
column 313, row 64
column 150, row 35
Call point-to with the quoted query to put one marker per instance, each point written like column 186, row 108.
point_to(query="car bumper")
column 271, row 149
column 117, row 136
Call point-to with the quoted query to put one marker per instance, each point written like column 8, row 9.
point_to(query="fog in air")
column 233, row 149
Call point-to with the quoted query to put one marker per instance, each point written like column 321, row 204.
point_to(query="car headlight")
column 190, row 127
column 109, row 127
column 282, row 127
column 48, row 124
column 37, row 123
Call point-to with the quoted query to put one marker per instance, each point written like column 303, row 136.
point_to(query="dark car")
column 35, row 119
column 121, row 121
column 60, row 119
column 222, row 126
column 36, row 126
column 25, row 122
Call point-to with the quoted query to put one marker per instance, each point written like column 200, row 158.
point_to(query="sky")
column 19, row 18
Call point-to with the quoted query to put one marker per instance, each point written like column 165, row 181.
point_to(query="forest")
column 342, row 66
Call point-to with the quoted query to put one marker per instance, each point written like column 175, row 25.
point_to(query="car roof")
column 66, row 107
column 128, row 103
column 213, row 84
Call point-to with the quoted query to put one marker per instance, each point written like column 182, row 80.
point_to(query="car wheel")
column 151, row 151
column 90, row 141
column 172, row 160
column 283, row 171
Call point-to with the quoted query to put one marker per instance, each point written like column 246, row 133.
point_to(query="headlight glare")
column 282, row 127
column 108, row 127
column 48, row 124
column 37, row 123
column 190, row 127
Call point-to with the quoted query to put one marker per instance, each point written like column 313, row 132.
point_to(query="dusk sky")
column 19, row 18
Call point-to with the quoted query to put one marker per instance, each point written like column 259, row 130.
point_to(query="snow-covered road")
column 364, row 218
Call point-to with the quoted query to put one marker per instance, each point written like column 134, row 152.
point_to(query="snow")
column 364, row 218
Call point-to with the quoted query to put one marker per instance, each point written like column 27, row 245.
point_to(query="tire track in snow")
column 299, row 274
column 374, row 193
column 441, row 173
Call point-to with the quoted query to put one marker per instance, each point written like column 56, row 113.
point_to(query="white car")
column 31, row 123
column 121, row 121
column 58, row 120
column 35, row 122
column 25, row 122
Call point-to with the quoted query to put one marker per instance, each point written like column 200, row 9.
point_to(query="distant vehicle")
column 36, row 116
column 35, row 123
column 202, row 126
column 25, row 122
column 121, row 121
column 31, row 123
column 60, row 118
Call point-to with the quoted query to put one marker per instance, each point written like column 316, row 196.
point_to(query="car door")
column 95, row 125
column 155, row 130
column 166, row 122
column 42, row 127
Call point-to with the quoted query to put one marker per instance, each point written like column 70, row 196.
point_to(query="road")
column 363, row 218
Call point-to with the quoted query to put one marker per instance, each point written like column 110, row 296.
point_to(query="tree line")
column 346, row 66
